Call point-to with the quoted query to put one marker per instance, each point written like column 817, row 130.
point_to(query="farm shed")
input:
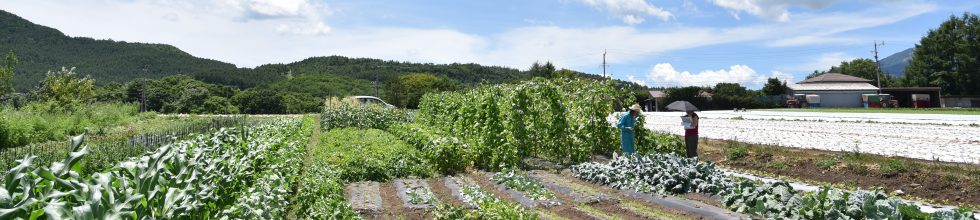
column 904, row 95
column 962, row 101
column 656, row 97
column 835, row 89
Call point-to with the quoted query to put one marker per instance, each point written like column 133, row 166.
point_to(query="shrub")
column 893, row 167
column 446, row 153
column 737, row 153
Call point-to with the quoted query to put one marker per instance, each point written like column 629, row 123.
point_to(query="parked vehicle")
column 371, row 100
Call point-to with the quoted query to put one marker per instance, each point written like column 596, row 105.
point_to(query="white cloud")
column 826, row 60
column 267, row 9
column 632, row 12
column 777, row 10
column 633, row 79
column 294, row 16
column 213, row 29
column 664, row 74
column 785, row 77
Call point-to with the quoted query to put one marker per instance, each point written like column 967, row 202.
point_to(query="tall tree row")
column 947, row 57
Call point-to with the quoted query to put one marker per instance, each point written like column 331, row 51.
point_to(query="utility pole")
column 878, row 66
column 604, row 63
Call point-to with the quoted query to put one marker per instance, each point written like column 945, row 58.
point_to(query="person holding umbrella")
column 691, row 134
column 626, row 126
column 690, row 123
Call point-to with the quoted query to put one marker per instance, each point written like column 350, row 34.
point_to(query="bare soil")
column 392, row 207
column 935, row 182
column 442, row 192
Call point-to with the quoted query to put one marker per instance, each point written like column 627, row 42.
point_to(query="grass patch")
column 370, row 155
column 597, row 213
column 893, row 167
column 776, row 165
column 857, row 168
column 827, row 163
column 647, row 211
column 34, row 124
column 549, row 215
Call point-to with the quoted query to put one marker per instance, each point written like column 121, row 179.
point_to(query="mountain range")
column 40, row 49
column 895, row 64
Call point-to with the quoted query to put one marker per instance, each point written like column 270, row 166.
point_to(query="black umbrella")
column 683, row 106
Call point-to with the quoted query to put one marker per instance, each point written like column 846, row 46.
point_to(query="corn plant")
column 344, row 113
column 211, row 176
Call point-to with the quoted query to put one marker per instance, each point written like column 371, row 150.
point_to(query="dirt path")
column 307, row 160
column 393, row 208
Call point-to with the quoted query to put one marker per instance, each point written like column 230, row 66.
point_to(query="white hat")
column 635, row 107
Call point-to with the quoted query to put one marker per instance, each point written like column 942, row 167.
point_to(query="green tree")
column 65, row 91
column 7, row 73
column 730, row 89
column 542, row 70
column 947, row 57
column 216, row 105
column 691, row 94
column 296, row 103
column 112, row 92
column 259, row 101
column 566, row 73
column 407, row 90
column 773, row 87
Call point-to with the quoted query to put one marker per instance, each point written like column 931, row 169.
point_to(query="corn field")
column 240, row 173
column 108, row 151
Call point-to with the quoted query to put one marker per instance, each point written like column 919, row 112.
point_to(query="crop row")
column 670, row 173
column 107, row 151
column 562, row 120
column 233, row 172
column 487, row 206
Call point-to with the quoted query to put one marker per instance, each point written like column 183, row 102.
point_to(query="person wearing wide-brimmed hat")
column 626, row 126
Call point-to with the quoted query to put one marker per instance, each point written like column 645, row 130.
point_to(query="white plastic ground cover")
column 928, row 141
column 364, row 197
column 409, row 189
column 456, row 185
column 927, row 208
column 951, row 119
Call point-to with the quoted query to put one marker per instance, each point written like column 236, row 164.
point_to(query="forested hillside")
column 168, row 79
column 40, row 49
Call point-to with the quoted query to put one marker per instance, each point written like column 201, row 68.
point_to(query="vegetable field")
column 462, row 155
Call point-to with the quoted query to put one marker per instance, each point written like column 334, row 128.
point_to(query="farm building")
column 835, row 89
column 961, row 101
column 915, row 97
column 656, row 98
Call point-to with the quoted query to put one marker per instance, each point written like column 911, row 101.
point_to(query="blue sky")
column 657, row 43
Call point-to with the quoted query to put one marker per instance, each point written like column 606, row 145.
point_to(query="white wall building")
column 835, row 90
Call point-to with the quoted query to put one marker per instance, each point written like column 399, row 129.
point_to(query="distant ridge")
column 894, row 64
